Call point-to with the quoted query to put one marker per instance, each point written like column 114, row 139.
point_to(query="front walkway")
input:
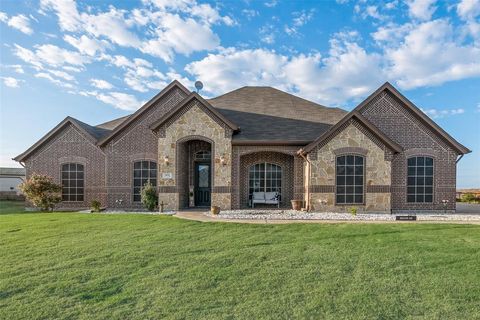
column 198, row 215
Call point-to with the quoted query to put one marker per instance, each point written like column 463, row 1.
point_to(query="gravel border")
column 302, row 215
column 165, row 213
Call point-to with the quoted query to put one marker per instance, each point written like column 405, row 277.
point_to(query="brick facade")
column 187, row 124
column 401, row 125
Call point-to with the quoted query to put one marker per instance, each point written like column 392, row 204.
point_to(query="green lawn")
column 93, row 266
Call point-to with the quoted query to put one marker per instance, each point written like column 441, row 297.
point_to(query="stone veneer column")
column 195, row 123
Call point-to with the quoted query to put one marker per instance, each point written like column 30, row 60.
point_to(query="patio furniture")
column 266, row 198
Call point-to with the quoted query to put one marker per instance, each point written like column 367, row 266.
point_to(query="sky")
column 98, row 60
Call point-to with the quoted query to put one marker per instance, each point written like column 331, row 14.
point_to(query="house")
column 10, row 179
column 383, row 156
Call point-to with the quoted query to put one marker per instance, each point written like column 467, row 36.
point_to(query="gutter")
column 309, row 166
column 460, row 158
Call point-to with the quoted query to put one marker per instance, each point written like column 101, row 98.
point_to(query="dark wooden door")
column 203, row 184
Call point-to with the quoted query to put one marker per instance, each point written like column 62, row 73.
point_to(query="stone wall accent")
column 72, row 145
column 195, row 124
column 377, row 171
column 400, row 124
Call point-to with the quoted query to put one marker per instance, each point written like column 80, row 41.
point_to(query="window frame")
column 280, row 169
column 364, row 174
column 407, row 186
column 153, row 181
column 76, row 171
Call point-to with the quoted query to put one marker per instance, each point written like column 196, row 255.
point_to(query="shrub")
column 95, row 205
column 41, row 191
column 468, row 197
column 353, row 211
column 149, row 196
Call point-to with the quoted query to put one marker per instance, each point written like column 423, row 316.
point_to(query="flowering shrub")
column 41, row 191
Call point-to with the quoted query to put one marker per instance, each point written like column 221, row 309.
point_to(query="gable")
column 193, row 100
column 170, row 96
column 360, row 122
column 405, row 123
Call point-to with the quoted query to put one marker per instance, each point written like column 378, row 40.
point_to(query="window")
column 72, row 182
column 143, row 171
column 350, row 176
column 420, row 179
column 265, row 177
column 202, row 156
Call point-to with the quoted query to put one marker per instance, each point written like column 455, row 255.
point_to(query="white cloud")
column 430, row 55
column 62, row 74
column 421, row 9
column 468, row 9
column 120, row 100
column 11, row 82
column 271, row 3
column 391, row 33
column 300, row 18
column 101, row 84
column 372, row 11
column 50, row 55
column 348, row 72
column 250, row 13
column 58, row 82
column 436, row 113
column 3, row 17
column 267, row 34
column 175, row 34
column 17, row 68
column 87, row 45
column 21, row 22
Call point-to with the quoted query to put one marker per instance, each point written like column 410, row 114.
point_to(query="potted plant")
column 297, row 205
column 215, row 210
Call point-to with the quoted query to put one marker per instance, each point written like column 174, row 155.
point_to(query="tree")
column 468, row 197
column 41, row 191
column 149, row 196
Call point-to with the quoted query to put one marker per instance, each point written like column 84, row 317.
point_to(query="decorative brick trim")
column 221, row 189
column 350, row 150
column 321, row 189
column 421, row 152
column 149, row 156
column 73, row 159
column 378, row 189
column 167, row 189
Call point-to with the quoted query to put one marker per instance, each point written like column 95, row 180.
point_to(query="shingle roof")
column 12, row 171
column 254, row 126
column 276, row 103
column 95, row 132
column 112, row 124
column 266, row 113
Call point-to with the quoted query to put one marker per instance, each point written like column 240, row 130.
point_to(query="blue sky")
column 97, row 60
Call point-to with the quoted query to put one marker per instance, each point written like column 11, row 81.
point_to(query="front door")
column 202, row 184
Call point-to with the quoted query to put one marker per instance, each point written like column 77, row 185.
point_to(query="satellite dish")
column 198, row 85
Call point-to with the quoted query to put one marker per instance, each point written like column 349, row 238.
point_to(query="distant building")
column 10, row 178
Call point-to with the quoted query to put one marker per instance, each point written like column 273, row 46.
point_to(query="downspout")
column 309, row 166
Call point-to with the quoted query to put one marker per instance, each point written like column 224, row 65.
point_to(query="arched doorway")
column 194, row 172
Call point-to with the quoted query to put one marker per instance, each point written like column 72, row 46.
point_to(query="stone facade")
column 194, row 123
column 351, row 140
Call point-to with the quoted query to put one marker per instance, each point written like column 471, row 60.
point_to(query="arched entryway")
column 266, row 172
column 194, row 172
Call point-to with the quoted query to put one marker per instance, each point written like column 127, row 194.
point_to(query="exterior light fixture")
column 223, row 161
column 166, row 160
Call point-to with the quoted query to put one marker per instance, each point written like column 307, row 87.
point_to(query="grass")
column 11, row 206
column 84, row 266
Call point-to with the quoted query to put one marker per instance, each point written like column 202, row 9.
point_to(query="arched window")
column 143, row 171
column 420, row 179
column 203, row 156
column 350, row 179
column 265, row 177
column 73, row 182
